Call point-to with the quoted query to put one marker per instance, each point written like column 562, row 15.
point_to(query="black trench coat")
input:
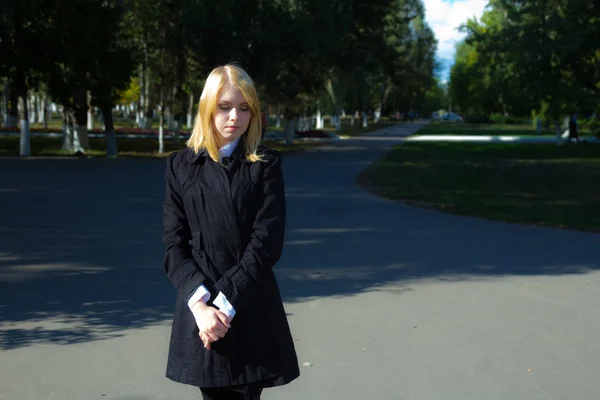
column 224, row 227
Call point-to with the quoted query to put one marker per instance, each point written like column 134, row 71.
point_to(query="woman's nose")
column 233, row 114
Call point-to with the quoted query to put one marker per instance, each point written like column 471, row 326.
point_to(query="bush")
column 498, row 118
column 313, row 134
column 477, row 119
column 594, row 126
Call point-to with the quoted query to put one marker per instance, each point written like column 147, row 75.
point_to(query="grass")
column 137, row 147
column 448, row 128
column 539, row 184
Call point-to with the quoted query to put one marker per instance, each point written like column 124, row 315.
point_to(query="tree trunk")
column 161, row 123
column 558, row 131
column 143, row 104
column 319, row 117
column 25, row 140
column 90, row 115
column 288, row 131
column 149, row 115
column 170, row 119
column 377, row 115
column 177, row 123
column 80, row 115
column 365, row 122
column 67, row 131
column 109, row 131
column 3, row 101
column 76, row 129
column 12, row 109
column 138, row 114
column 41, row 112
column 278, row 119
column 34, row 106
column 190, row 115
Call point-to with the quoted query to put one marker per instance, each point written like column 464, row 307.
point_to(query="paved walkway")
column 385, row 301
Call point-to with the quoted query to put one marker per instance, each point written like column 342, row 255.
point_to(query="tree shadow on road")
column 81, row 258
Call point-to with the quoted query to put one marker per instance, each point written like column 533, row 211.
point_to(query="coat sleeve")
column 180, row 266
column 241, row 282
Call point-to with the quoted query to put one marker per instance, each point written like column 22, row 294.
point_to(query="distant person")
column 573, row 134
column 224, row 222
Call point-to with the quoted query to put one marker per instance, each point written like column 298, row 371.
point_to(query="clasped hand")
column 212, row 323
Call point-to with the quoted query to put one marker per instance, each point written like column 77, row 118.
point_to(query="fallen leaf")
column 307, row 364
column 529, row 370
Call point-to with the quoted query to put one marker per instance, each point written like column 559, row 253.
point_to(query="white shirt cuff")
column 201, row 294
column 224, row 306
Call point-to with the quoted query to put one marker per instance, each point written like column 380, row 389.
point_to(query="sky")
column 444, row 17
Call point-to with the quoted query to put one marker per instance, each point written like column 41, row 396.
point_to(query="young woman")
column 224, row 222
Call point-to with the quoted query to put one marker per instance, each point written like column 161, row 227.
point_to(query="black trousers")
column 232, row 393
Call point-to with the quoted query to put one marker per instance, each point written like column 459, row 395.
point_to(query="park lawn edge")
column 373, row 177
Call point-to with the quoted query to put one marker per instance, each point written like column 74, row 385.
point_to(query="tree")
column 544, row 53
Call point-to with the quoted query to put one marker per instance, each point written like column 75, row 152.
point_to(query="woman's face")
column 232, row 115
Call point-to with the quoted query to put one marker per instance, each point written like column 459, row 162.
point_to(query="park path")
column 385, row 301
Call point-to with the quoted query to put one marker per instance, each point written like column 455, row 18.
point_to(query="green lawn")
column 537, row 184
column 448, row 128
column 137, row 147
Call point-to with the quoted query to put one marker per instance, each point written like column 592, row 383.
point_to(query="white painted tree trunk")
column 67, row 134
column 90, row 119
column 32, row 107
column 25, row 139
column 190, row 116
column 365, row 122
column 319, row 119
column 288, row 130
column 558, row 132
column 76, row 146
column 161, row 139
column 43, row 110
column 377, row 115
column 352, row 120
column 161, row 123
column 81, row 138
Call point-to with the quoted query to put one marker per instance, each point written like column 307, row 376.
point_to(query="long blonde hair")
column 204, row 134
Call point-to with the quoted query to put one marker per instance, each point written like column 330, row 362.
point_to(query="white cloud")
column 445, row 17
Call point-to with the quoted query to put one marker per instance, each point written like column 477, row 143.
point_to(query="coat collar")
column 238, row 152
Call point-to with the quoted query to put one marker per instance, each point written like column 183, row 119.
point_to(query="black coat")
column 224, row 227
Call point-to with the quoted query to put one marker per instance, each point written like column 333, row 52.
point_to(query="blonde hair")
column 204, row 134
